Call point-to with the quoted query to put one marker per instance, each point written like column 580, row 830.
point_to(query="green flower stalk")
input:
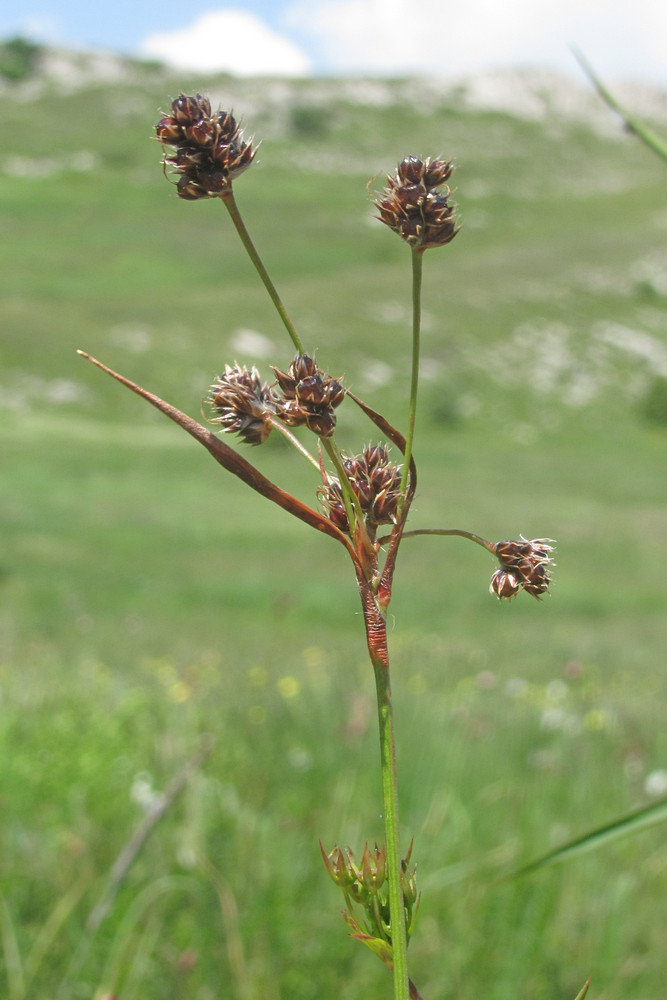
column 415, row 204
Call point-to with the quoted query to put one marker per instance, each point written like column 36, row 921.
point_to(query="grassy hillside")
column 148, row 603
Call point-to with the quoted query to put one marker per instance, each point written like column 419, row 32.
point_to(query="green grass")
column 148, row 602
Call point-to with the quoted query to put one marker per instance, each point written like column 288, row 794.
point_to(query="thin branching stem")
column 277, row 426
column 231, row 206
column 489, row 546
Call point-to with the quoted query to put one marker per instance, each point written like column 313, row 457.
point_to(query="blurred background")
column 155, row 615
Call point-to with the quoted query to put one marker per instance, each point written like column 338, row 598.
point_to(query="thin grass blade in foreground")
column 625, row 826
column 647, row 136
column 11, row 953
column 583, row 991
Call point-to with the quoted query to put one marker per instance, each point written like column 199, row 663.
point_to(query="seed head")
column 309, row 396
column 524, row 565
column 242, row 404
column 375, row 481
column 413, row 207
column 209, row 151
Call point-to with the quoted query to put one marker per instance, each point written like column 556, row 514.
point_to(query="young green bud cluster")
column 209, row 147
column 413, row 207
column 309, row 396
column 524, row 565
column 366, row 885
column 376, row 483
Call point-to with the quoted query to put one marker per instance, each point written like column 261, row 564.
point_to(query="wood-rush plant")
column 364, row 496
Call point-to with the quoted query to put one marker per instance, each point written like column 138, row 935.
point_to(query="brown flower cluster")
column 303, row 395
column 376, row 483
column 413, row 207
column 209, row 147
column 524, row 565
column 242, row 404
column 309, row 396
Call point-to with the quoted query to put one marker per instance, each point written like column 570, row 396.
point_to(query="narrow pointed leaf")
column 625, row 826
column 231, row 460
column 648, row 137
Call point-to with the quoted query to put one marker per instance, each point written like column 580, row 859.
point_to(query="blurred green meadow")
column 150, row 606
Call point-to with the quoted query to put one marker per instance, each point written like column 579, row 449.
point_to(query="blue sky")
column 623, row 39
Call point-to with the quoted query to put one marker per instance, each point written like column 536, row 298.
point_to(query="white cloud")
column 620, row 37
column 233, row 41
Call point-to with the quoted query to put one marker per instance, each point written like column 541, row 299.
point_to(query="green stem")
column 414, row 381
column 489, row 546
column 277, row 426
column 350, row 499
column 232, row 208
column 399, row 943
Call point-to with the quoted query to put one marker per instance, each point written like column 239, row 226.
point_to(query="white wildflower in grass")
column 655, row 783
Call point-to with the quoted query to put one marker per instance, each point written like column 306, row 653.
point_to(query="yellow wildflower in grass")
column 179, row 692
column 288, row 687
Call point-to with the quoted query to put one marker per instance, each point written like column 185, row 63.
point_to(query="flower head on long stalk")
column 208, row 147
column 413, row 205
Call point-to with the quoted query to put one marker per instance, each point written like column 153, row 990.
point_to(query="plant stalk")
column 399, row 944
column 417, row 257
column 231, row 206
column 489, row 546
column 376, row 634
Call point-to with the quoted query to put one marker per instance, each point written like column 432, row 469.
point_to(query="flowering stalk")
column 399, row 941
column 206, row 152
column 415, row 204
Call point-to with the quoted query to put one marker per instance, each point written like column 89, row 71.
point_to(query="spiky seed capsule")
column 376, row 483
column 310, row 396
column 209, row 147
column 414, row 207
column 242, row 404
column 524, row 565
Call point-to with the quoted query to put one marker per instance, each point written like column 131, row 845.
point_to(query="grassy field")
column 152, row 610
